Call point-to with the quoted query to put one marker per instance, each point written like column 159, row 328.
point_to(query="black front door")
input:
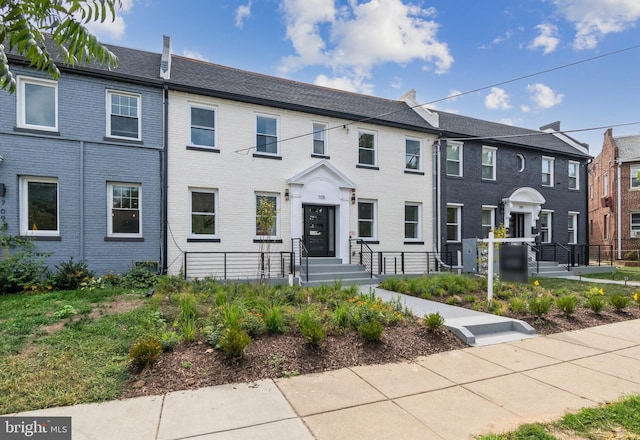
column 319, row 226
column 516, row 226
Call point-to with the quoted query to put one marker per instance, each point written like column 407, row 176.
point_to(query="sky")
column 475, row 58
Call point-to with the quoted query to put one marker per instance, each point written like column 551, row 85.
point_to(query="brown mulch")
column 197, row 365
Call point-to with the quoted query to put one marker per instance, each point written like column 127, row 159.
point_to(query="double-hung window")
column 635, row 225
column 489, row 163
column 454, row 217
column 574, row 175
column 124, row 210
column 572, row 228
column 605, row 184
column 545, row 226
column 123, row 115
column 488, row 219
column 37, row 104
column 39, row 207
column 320, row 139
column 454, row 159
column 366, row 219
column 413, row 150
column 412, row 221
column 267, row 215
column 267, row 135
column 203, row 213
column 547, row 171
column 203, row 126
column 366, row 148
column 635, row 177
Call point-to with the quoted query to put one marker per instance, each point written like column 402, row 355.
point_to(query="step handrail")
column 303, row 254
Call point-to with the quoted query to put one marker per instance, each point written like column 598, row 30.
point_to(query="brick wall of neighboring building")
column 630, row 203
column 602, row 224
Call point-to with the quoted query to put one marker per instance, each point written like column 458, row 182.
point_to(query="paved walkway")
column 453, row 395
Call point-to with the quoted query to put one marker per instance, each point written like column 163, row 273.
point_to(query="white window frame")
column 419, row 156
column 458, row 223
column 22, row 104
column 551, row 161
column 25, row 228
column 634, row 226
column 320, row 133
column 277, row 135
column 576, row 177
column 111, row 93
column 373, row 221
column 605, row 232
column 633, row 177
column 494, row 157
column 549, row 215
column 255, row 218
column 212, row 108
column 417, row 222
column 522, row 162
column 460, row 146
column 110, row 233
column 375, row 147
column 492, row 224
column 572, row 226
column 215, row 212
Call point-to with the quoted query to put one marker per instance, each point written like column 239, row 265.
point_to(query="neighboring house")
column 81, row 168
column 614, row 196
column 338, row 166
column 532, row 182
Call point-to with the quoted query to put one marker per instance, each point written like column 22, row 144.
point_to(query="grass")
column 617, row 420
column 631, row 273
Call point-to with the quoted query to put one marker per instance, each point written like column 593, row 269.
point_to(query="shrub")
column 567, row 304
column 139, row 277
column 371, row 331
column 275, row 319
column 518, row 305
column 540, row 305
column 21, row 267
column 434, row 322
column 234, row 341
column 342, row 316
column 169, row 340
column 619, row 301
column 145, row 351
column 188, row 305
column 253, row 324
column 71, row 275
column 311, row 327
column 632, row 256
column 596, row 303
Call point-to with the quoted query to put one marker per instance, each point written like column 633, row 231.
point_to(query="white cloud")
column 453, row 95
column 525, row 108
column 594, row 19
column 194, row 54
column 544, row 96
column 356, row 37
column 497, row 99
column 348, row 83
column 243, row 11
column 507, row 121
column 113, row 28
column 547, row 38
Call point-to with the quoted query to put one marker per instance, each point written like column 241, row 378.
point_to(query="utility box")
column 514, row 264
column 470, row 255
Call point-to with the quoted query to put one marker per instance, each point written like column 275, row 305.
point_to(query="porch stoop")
column 550, row 269
column 323, row 270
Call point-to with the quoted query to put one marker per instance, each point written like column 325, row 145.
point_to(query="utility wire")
column 519, row 78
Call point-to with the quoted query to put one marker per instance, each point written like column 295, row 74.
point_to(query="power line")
column 519, row 78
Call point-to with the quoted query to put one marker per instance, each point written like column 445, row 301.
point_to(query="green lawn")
column 631, row 273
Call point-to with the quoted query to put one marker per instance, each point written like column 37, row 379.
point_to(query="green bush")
column 71, row 275
column 518, row 305
column 145, row 351
column 234, row 341
column 21, row 267
column 596, row 303
column 434, row 322
column 311, row 327
column 619, row 301
column 139, row 277
column 275, row 319
column 567, row 304
column 169, row 340
column 371, row 331
column 540, row 305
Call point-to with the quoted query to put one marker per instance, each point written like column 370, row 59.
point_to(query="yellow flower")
column 636, row 297
column 601, row 292
column 536, row 283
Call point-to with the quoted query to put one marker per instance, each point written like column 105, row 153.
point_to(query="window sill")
column 42, row 237
column 267, row 156
column 489, row 180
column 125, row 239
column 420, row 173
column 267, row 240
column 320, row 156
column 36, row 131
column 414, row 242
column 454, row 176
column 123, row 140
column 367, row 167
column 207, row 149
column 365, row 241
column 203, row 240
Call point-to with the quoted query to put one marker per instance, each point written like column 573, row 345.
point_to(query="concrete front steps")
column 329, row 270
column 557, row 270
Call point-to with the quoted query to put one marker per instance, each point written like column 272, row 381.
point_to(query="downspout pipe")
column 82, row 244
column 164, row 175
column 619, row 212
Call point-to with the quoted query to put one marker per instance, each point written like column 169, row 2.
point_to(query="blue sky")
column 437, row 47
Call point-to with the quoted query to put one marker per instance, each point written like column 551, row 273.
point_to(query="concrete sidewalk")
column 453, row 395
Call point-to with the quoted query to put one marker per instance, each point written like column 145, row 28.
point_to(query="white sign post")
column 491, row 241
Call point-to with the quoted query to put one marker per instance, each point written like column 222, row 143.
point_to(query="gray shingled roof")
column 472, row 127
column 628, row 148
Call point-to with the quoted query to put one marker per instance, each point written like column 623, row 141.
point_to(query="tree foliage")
column 24, row 24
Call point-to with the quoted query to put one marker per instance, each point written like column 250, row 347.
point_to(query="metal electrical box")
column 470, row 255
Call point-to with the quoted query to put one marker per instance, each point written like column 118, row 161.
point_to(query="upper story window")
column 267, row 135
column 366, row 219
column 320, row 139
column 413, row 153
column 591, row 191
column 605, row 184
column 489, row 163
column 635, row 177
column 37, row 104
column 366, row 148
column 203, row 126
column 521, row 162
column 267, row 215
column 123, row 211
column 411, row 221
column 574, row 175
column 547, row 171
column 123, row 115
column 203, row 212
column 39, row 210
column 454, row 221
column 454, row 159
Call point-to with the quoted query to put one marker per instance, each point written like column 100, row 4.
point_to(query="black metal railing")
column 399, row 262
column 572, row 255
column 301, row 256
column 238, row 265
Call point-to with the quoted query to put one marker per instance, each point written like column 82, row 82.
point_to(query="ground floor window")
column 454, row 215
column 635, row 224
column 545, row 227
column 39, row 206
column 572, row 228
column 488, row 219
column 203, row 212
column 411, row 221
column 267, row 221
column 124, row 213
column 366, row 218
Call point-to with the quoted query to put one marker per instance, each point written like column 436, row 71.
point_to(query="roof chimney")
column 165, row 61
column 555, row 126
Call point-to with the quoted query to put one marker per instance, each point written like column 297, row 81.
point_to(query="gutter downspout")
column 81, row 201
column 618, row 207
column 164, row 177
